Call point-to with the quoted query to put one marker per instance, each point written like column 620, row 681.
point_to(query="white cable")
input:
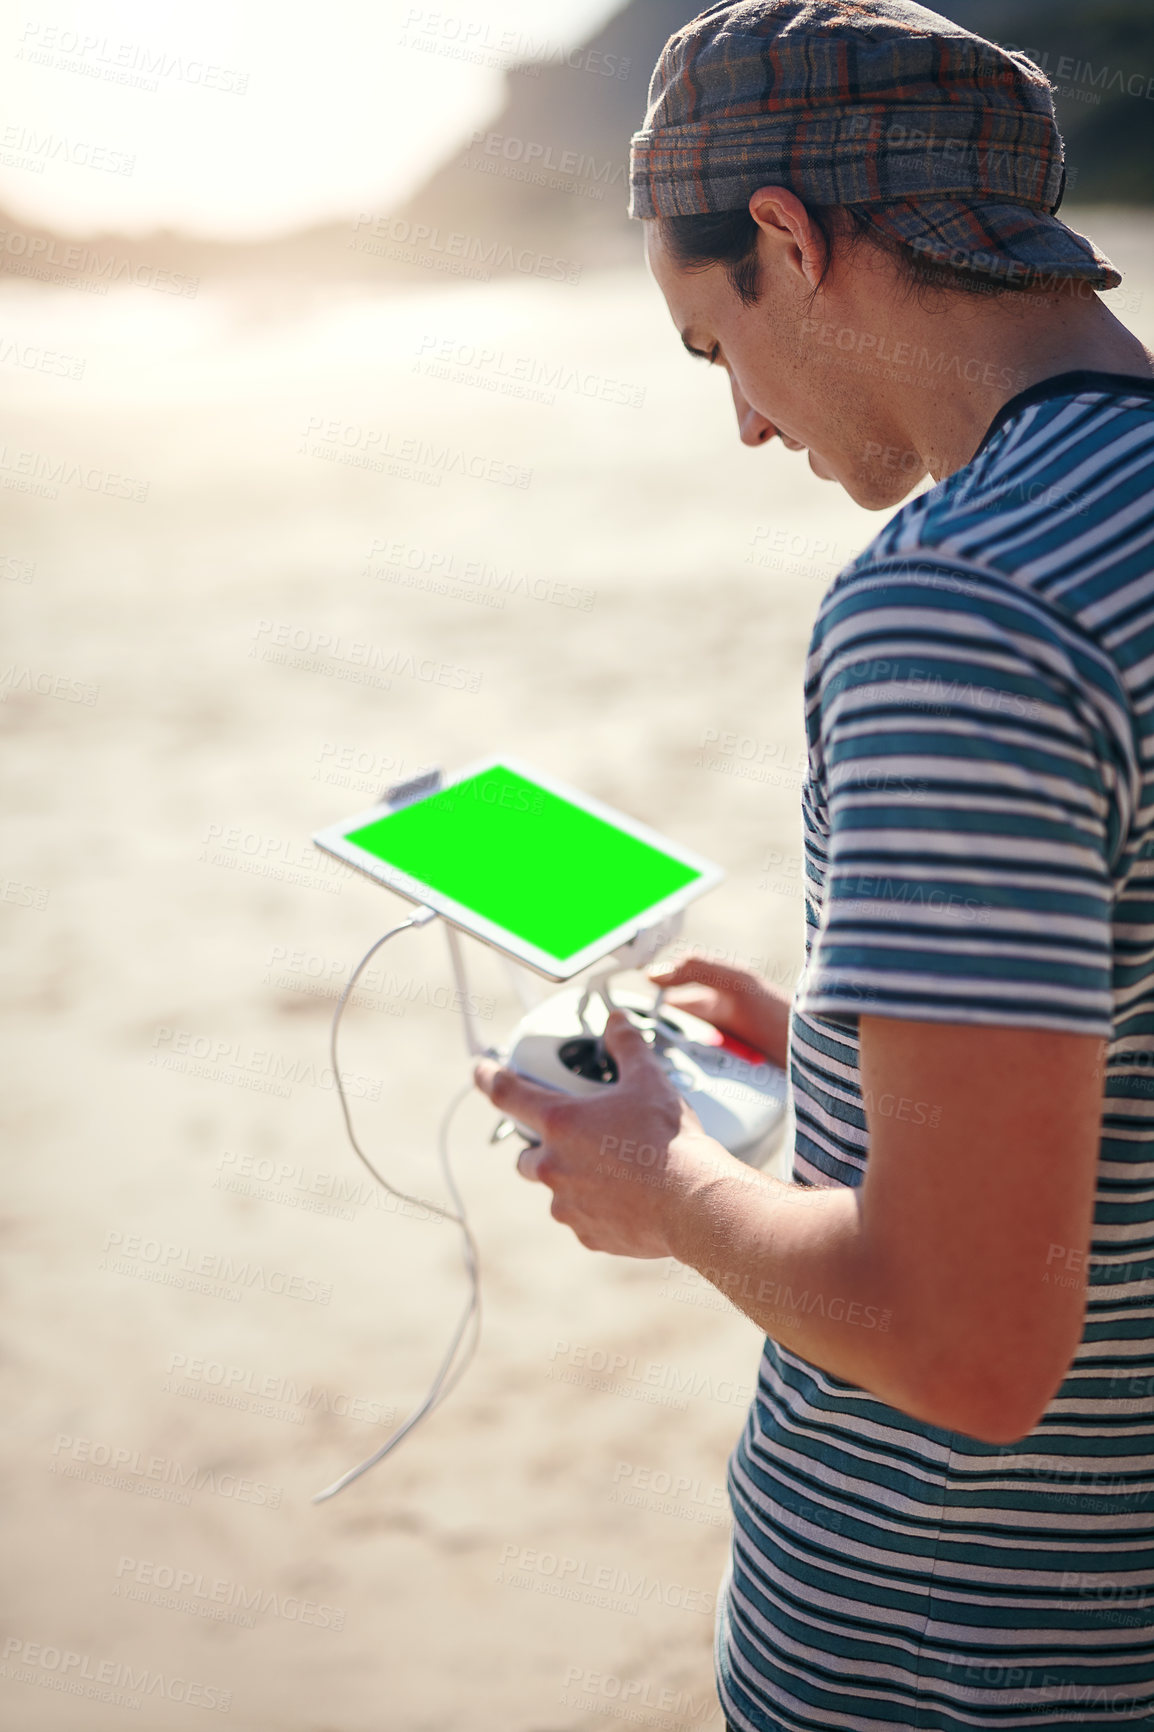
column 442, row 1383
column 473, row 1041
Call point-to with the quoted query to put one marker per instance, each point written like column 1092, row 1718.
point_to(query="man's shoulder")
column 915, row 552
column 911, row 580
column 903, row 608
column 1062, row 472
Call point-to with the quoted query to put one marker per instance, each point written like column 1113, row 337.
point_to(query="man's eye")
column 714, row 353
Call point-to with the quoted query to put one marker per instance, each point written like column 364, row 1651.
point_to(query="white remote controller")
column 739, row 1096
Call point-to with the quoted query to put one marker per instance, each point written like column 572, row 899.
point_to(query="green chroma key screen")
column 547, row 871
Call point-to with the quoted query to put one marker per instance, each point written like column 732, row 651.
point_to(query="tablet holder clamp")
column 738, row 1095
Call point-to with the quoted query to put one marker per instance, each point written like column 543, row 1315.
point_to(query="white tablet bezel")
column 334, row 840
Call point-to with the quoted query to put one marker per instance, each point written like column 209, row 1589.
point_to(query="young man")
column 944, row 1494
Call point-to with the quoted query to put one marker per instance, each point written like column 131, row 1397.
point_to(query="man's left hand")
column 623, row 1167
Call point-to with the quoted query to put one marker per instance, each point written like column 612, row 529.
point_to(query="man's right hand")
column 735, row 1000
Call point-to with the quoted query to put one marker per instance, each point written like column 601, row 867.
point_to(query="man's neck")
column 1004, row 340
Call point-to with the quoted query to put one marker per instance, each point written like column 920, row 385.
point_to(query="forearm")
column 797, row 1262
column 928, row 1284
column 772, row 1035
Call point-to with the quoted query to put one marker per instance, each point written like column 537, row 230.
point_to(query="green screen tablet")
column 545, row 873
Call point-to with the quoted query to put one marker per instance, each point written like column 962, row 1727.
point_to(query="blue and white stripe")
column 979, row 841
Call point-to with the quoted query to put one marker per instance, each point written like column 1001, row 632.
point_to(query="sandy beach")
column 264, row 553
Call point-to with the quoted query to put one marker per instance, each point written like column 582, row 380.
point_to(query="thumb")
column 627, row 1044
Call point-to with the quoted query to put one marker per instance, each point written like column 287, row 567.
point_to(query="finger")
column 702, row 971
column 628, row 1045
column 693, row 967
column 529, row 1160
column 666, row 973
column 690, row 994
column 517, row 1096
column 699, row 1001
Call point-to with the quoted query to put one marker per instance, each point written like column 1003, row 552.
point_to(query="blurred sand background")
column 194, row 680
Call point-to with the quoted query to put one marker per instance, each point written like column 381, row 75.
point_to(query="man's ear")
column 781, row 216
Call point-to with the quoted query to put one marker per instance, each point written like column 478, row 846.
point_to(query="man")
column 943, row 1495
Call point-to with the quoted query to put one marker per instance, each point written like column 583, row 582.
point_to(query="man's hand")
column 951, row 1283
column 622, row 1166
column 735, row 1000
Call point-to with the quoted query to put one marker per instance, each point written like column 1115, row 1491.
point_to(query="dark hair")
column 729, row 238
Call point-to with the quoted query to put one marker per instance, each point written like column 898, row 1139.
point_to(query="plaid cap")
column 947, row 141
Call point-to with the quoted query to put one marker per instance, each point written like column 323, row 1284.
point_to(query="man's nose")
column 752, row 425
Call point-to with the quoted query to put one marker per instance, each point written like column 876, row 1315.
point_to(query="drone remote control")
column 739, row 1096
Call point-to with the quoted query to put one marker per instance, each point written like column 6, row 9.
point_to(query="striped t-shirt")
column 979, row 841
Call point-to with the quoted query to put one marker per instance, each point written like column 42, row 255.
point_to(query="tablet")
column 548, row 875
